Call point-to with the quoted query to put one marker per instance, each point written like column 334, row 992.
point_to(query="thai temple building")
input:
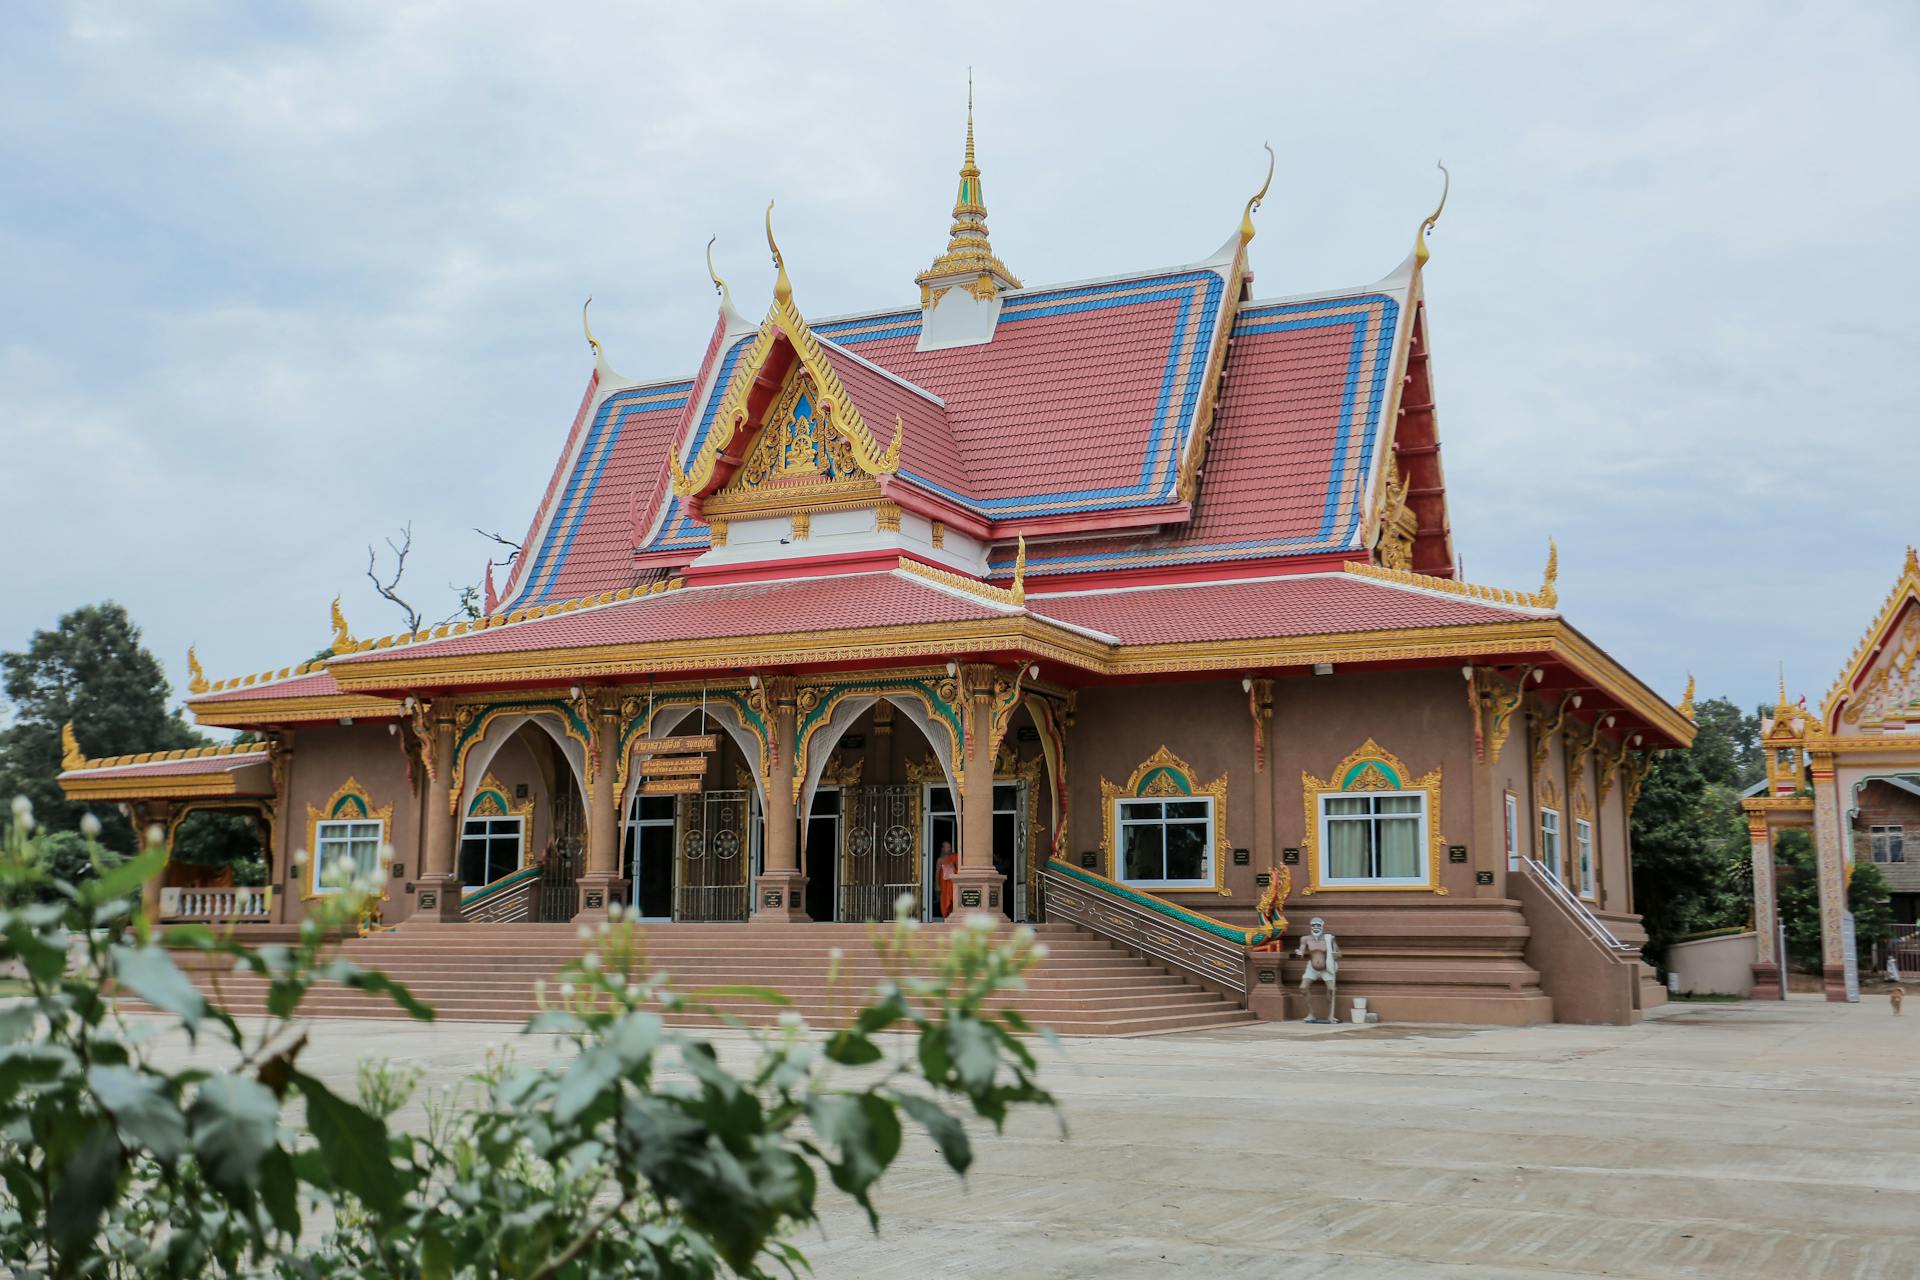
column 1848, row 773
column 1129, row 605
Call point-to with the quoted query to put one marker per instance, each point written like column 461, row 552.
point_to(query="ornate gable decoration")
column 1371, row 767
column 786, row 422
column 1880, row 689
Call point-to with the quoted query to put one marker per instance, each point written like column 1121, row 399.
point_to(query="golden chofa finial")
column 1912, row 569
column 197, row 677
column 782, row 287
column 1549, row 593
column 71, row 756
column 591, row 340
column 1420, row 251
column 1020, row 572
column 1246, row 218
column 343, row 641
column 719, row 285
column 1686, row 699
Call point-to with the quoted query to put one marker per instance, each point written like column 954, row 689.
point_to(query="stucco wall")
column 325, row 757
column 1715, row 966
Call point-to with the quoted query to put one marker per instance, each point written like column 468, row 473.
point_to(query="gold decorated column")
column 780, row 890
column 978, row 886
column 439, row 894
column 601, row 885
column 1767, row 960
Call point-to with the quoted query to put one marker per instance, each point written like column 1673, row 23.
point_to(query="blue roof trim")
column 677, row 528
column 602, row 435
column 1360, row 313
column 1180, row 386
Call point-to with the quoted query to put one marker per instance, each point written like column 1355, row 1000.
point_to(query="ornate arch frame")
column 351, row 794
column 1159, row 775
column 1372, row 767
column 470, row 732
column 490, row 801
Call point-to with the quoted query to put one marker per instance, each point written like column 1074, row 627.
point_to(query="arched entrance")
column 692, row 855
column 522, row 805
column 219, row 862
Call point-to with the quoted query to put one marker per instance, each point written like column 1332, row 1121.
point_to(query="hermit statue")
column 1323, row 962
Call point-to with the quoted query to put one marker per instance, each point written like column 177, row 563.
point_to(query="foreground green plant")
column 638, row 1153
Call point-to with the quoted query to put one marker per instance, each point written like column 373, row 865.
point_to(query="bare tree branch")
column 505, row 542
column 387, row 588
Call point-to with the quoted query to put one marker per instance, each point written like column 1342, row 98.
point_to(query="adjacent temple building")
column 1138, row 596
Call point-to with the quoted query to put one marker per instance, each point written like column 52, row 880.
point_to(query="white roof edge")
column 959, row 593
column 888, row 374
column 1399, row 282
column 913, row 310
column 1414, row 587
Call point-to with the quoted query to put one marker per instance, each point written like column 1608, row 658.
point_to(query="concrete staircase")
column 486, row 973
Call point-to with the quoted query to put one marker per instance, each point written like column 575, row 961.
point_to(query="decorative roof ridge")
column 1907, row 583
column 1011, row 598
column 1129, row 588
column 1326, row 295
column 1544, row 599
column 912, row 314
column 884, row 372
column 201, row 687
column 73, row 761
column 513, row 617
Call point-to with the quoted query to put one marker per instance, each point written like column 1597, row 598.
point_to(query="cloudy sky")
column 277, row 280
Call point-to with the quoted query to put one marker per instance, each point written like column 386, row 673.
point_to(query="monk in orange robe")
column 944, row 870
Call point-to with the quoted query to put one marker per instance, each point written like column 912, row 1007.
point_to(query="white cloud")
column 279, row 280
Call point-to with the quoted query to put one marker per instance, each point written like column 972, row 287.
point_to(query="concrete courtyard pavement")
column 1747, row 1141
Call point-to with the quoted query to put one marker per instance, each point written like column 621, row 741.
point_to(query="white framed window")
column 1165, row 843
column 1550, row 841
column 1889, row 843
column 1513, row 832
column 1583, row 853
column 1374, row 838
column 357, row 841
column 491, row 848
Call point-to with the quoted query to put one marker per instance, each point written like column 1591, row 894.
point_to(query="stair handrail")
column 474, row 896
column 1593, row 924
column 1211, row 949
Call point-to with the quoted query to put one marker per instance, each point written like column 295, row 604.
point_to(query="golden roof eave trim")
column 173, row 787
column 1905, row 587
column 330, row 706
column 216, row 751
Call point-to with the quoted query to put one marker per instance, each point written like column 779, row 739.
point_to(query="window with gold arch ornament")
column 1165, row 830
column 346, row 828
column 1373, row 825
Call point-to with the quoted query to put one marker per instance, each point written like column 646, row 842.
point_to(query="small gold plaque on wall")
column 771, row 898
column 970, row 898
column 1263, row 880
column 1456, row 853
column 1089, row 859
column 1241, row 857
column 1483, row 877
column 429, row 900
column 1290, row 856
column 595, row 900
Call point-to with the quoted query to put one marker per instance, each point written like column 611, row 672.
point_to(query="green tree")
column 1691, row 862
column 1797, row 890
column 93, row 670
column 1870, row 899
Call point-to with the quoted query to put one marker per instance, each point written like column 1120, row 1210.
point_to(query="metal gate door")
column 559, row 898
column 881, row 834
column 715, row 855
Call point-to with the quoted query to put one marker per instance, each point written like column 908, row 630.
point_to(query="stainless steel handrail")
column 1163, row 936
column 1581, row 912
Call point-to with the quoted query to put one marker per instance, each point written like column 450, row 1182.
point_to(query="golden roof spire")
column 197, row 683
column 969, row 251
column 1686, row 699
column 719, row 285
column 591, row 340
column 1549, row 594
column 1913, row 562
column 782, row 287
column 71, row 757
column 1420, row 250
column 1020, row 572
column 1246, row 218
column 343, row 641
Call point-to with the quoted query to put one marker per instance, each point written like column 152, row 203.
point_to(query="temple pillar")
column 600, row 883
column 283, row 878
column 439, row 895
column 144, row 815
column 780, row 890
column 1767, row 960
column 1829, row 849
column 1260, row 703
column 977, row 885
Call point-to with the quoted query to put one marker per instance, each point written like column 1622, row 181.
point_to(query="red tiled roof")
column 174, row 768
column 927, row 448
column 883, row 599
column 1301, row 605
column 315, row 684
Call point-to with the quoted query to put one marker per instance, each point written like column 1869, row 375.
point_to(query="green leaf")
column 851, row 1049
column 24, row 1064
column 143, row 1109
column 866, row 1129
column 586, row 1079
column 128, row 877
column 349, row 974
column 738, row 992
column 354, row 1146
column 16, row 1021
column 279, row 1192
column 944, row 1128
column 235, row 1122
column 83, row 1186
column 436, row 1256
column 975, row 1052
column 151, row 974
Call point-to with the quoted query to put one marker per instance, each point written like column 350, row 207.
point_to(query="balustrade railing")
column 231, row 902
column 1210, row 949
column 510, row 898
